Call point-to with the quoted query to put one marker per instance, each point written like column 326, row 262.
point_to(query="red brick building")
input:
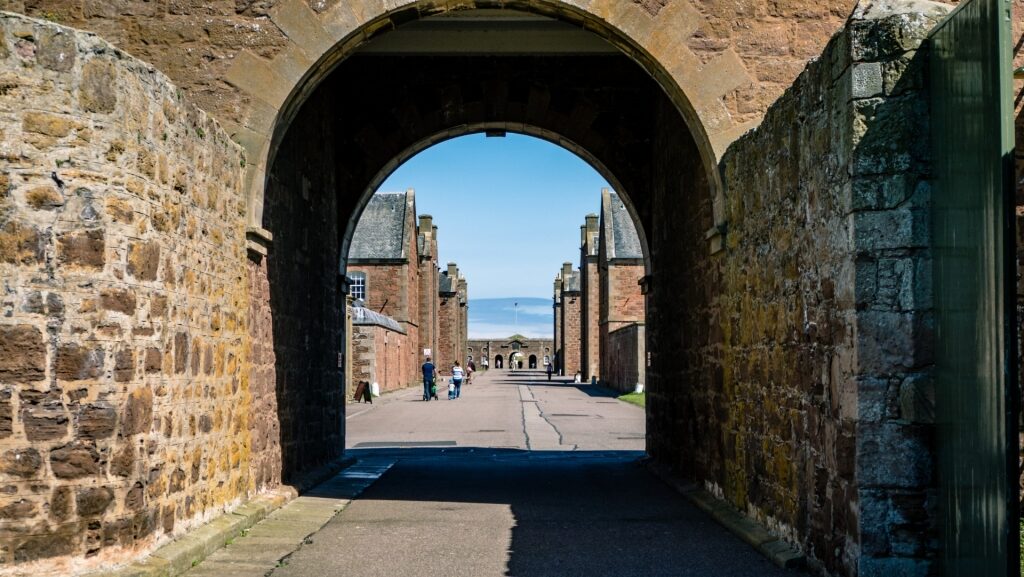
column 599, row 308
column 622, row 303
column 590, row 338
column 453, row 319
column 380, row 352
column 409, row 309
column 569, row 304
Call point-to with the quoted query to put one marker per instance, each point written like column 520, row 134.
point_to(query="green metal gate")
column 976, row 392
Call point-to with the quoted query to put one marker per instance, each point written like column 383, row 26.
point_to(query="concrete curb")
column 187, row 551
column 778, row 551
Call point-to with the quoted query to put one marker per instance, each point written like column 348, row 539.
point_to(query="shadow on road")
column 598, row 513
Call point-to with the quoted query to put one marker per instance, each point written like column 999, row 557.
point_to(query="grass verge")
column 638, row 399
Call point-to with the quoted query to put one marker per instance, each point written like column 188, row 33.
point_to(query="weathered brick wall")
column 826, row 307
column 623, row 361
column 387, row 288
column 557, row 356
column 571, row 333
column 590, row 308
column 622, row 299
column 449, row 322
column 123, row 344
column 622, row 305
column 381, row 356
column 306, row 299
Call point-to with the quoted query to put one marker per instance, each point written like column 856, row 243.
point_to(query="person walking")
column 551, row 368
column 428, row 380
column 457, row 375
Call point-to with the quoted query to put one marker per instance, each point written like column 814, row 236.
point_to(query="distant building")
column 569, row 303
column 523, row 352
column 403, row 303
column 453, row 318
column 600, row 308
column 622, row 311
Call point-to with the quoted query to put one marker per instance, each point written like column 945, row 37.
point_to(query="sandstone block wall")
column 826, row 309
column 590, row 307
column 622, row 308
column 571, row 333
column 622, row 300
column 124, row 394
column 306, row 300
column 624, row 358
column 448, row 342
column 387, row 288
column 382, row 356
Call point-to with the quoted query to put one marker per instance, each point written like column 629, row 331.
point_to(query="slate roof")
column 618, row 229
column 364, row 316
column 380, row 233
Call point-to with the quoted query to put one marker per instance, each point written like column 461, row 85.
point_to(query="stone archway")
column 647, row 33
column 342, row 141
column 770, row 337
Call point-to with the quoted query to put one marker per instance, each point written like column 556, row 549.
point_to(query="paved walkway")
column 519, row 477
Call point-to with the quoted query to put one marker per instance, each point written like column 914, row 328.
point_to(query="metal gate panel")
column 973, row 226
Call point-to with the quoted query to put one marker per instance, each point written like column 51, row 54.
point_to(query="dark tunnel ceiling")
column 492, row 32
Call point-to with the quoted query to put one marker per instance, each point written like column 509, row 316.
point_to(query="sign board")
column 426, row 352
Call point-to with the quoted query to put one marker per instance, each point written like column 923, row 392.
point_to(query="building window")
column 357, row 290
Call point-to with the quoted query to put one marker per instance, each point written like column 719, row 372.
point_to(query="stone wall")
column 265, row 429
column 306, row 298
column 449, row 344
column 623, row 360
column 124, row 394
column 382, row 356
column 571, row 316
column 387, row 288
column 622, row 309
column 826, row 309
column 590, row 307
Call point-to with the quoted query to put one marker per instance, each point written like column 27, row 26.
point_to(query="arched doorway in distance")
column 498, row 361
column 533, row 361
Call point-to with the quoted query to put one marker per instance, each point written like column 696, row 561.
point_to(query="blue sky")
column 508, row 211
column 497, row 318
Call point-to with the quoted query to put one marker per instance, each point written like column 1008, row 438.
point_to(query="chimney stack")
column 426, row 224
column 453, row 270
column 566, row 271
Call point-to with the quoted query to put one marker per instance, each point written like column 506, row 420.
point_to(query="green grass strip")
column 638, row 399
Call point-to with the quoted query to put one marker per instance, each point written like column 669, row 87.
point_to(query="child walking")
column 457, row 375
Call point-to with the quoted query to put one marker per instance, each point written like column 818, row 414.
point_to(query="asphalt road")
column 519, row 478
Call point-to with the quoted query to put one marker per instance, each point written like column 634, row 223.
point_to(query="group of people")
column 454, row 388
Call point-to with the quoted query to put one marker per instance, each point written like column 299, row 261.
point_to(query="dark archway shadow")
column 586, row 513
